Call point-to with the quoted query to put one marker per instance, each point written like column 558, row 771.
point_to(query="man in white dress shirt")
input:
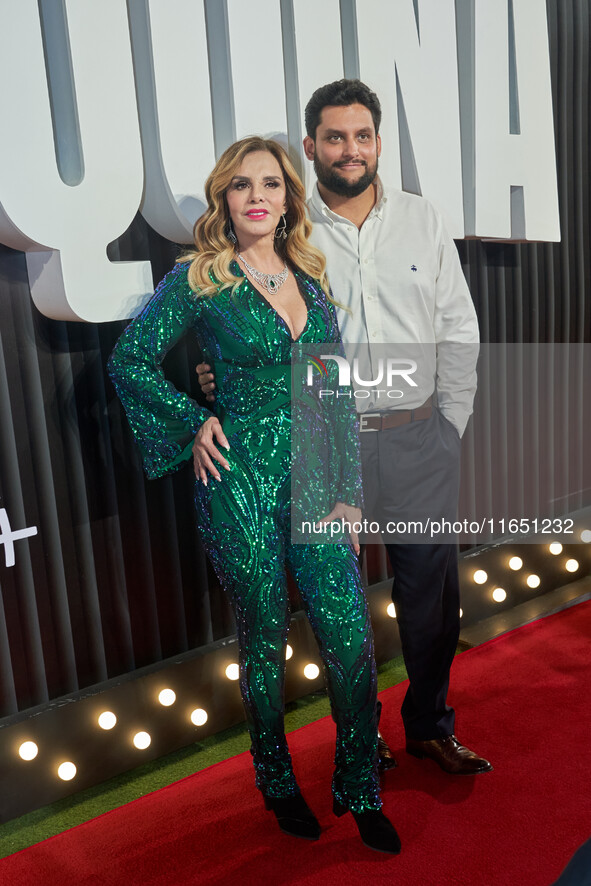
column 396, row 271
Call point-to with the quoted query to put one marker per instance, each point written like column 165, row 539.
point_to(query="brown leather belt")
column 381, row 421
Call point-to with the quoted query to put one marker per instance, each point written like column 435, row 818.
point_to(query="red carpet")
column 523, row 703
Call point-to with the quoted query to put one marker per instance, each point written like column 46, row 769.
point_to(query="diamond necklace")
column 271, row 282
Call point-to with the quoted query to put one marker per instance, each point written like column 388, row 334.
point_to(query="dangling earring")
column 229, row 232
column 281, row 229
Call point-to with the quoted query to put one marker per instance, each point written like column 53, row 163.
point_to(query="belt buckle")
column 363, row 416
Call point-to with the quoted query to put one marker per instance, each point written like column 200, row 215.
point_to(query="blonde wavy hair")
column 214, row 251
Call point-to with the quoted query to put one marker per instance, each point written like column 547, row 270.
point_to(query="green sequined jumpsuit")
column 244, row 519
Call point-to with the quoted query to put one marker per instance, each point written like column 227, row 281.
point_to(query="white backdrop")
column 110, row 107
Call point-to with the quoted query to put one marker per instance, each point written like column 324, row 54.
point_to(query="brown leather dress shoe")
column 449, row 754
column 386, row 759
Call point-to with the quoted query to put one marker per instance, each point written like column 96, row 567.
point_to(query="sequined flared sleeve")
column 347, row 466
column 326, row 465
column 163, row 420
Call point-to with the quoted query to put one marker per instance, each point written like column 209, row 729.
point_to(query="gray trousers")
column 411, row 474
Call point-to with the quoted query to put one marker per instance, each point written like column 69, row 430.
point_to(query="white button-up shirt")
column 400, row 281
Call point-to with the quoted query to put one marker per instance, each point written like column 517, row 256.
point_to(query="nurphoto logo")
column 384, row 371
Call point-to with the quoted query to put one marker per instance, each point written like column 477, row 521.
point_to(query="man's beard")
column 329, row 177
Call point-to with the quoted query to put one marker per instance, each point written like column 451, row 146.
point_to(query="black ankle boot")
column 294, row 816
column 374, row 829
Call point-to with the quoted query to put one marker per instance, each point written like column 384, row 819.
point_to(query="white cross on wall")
column 8, row 537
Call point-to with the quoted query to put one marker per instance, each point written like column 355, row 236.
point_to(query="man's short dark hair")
column 341, row 93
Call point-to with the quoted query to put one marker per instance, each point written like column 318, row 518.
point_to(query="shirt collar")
column 381, row 198
column 334, row 218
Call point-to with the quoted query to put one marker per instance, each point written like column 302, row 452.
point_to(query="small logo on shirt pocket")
column 413, row 268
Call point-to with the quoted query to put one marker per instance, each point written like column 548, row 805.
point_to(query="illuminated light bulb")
column 480, row 576
column 167, row 697
column 571, row 565
column 311, row 671
column 198, row 717
column 499, row 594
column 142, row 740
column 391, row 610
column 515, row 563
column 533, row 581
column 107, row 720
column 555, row 548
column 66, row 771
column 586, row 536
column 288, row 652
column 461, row 613
column 232, row 672
column 28, row 750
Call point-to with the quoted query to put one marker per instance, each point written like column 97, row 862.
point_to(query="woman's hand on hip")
column 205, row 451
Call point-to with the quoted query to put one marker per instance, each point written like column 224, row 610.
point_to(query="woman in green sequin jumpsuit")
column 244, row 511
